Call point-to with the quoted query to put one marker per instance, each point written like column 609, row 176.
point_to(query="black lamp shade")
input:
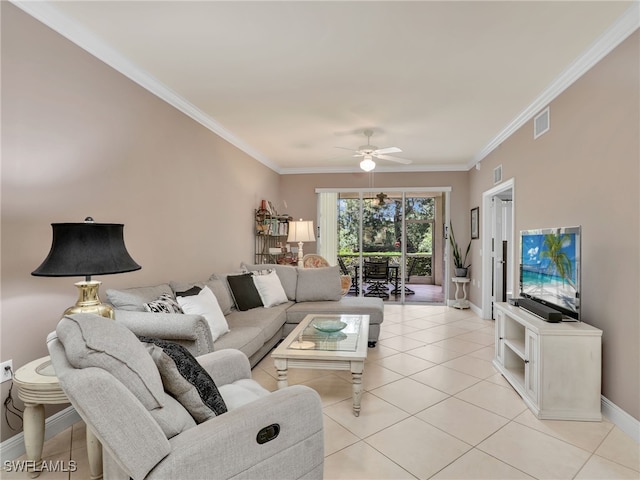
column 85, row 249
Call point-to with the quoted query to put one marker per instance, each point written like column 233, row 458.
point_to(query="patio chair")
column 376, row 274
column 354, row 278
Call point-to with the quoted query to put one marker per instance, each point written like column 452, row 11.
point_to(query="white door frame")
column 487, row 228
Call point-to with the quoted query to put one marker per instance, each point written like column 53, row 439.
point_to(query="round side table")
column 38, row 386
column 461, row 302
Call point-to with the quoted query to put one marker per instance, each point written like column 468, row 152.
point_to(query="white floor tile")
column 409, row 395
column 362, row 462
column 445, row 379
column 586, row 435
column 420, row 448
column 477, row 465
column 405, row 364
column 620, row 448
column 375, row 415
column 501, row 400
column 463, row 420
column 535, row 453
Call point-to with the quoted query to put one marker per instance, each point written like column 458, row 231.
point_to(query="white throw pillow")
column 270, row 289
column 206, row 304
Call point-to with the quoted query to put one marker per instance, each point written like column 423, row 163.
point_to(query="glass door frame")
column 445, row 191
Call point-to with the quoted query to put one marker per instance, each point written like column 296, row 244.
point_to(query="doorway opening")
column 498, row 247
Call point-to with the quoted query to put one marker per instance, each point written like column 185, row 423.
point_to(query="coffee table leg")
column 356, row 376
column 94, row 453
column 281, row 367
column 34, row 434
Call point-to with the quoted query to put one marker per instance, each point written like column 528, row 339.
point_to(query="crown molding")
column 454, row 167
column 628, row 23
column 47, row 14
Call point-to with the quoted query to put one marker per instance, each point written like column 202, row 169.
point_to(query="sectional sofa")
column 254, row 330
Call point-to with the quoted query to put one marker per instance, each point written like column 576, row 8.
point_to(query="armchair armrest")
column 226, row 366
column 297, row 451
column 192, row 331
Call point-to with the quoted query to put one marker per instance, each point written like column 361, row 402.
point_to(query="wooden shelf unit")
column 271, row 232
column 555, row 367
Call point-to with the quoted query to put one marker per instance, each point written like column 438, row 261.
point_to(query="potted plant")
column 459, row 262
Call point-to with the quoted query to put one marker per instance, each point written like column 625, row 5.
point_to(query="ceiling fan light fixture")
column 367, row 164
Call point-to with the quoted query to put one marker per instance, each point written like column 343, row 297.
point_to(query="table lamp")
column 87, row 249
column 301, row 231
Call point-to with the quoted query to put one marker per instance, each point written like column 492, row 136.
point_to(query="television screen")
column 550, row 268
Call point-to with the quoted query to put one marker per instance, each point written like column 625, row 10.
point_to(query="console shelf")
column 555, row 367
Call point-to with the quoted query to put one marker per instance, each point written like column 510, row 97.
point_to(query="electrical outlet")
column 6, row 371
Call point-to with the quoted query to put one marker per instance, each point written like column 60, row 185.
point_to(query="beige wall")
column 585, row 171
column 80, row 139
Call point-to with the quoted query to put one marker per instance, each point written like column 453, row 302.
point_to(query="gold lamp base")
column 89, row 301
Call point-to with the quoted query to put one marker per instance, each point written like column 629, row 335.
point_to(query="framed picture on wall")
column 475, row 221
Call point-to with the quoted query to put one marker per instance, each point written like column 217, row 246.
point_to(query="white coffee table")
column 308, row 347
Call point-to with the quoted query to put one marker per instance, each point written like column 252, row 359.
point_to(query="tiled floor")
column 434, row 407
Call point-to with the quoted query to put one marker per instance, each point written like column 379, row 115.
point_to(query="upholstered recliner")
column 118, row 385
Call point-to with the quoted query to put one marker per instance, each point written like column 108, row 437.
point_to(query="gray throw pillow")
column 135, row 298
column 318, row 284
column 185, row 379
column 93, row 341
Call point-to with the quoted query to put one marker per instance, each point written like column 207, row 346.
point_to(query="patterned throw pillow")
column 164, row 304
column 185, row 379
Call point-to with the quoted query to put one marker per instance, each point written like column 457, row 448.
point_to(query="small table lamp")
column 301, row 231
column 87, row 249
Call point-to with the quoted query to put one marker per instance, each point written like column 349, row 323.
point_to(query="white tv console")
column 555, row 367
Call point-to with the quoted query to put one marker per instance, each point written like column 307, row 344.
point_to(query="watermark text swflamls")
column 44, row 466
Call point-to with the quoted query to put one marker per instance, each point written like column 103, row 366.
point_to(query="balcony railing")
column 416, row 264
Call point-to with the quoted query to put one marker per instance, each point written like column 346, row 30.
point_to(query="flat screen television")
column 550, row 268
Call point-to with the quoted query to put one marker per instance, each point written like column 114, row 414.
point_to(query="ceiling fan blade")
column 394, row 159
column 383, row 151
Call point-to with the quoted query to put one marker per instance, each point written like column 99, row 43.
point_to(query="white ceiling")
column 289, row 81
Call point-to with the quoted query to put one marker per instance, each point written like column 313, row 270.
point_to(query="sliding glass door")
column 401, row 229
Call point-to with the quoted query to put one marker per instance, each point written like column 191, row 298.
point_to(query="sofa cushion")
column 206, row 304
column 242, row 392
column 93, row 341
column 218, row 287
column 244, row 291
column 288, row 276
column 318, row 284
column 173, row 418
column 135, row 298
column 164, row 304
column 374, row 307
column 185, row 379
column 270, row 289
column 246, row 338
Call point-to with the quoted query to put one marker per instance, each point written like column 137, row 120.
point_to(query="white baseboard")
column 13, row 447
column 620, row 418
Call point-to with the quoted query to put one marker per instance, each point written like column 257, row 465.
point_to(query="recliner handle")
column 268, row 433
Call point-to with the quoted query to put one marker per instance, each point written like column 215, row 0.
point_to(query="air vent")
column 541, row 123
column 497, row 174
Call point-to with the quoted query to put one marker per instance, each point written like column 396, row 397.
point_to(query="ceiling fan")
column 369, row 152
